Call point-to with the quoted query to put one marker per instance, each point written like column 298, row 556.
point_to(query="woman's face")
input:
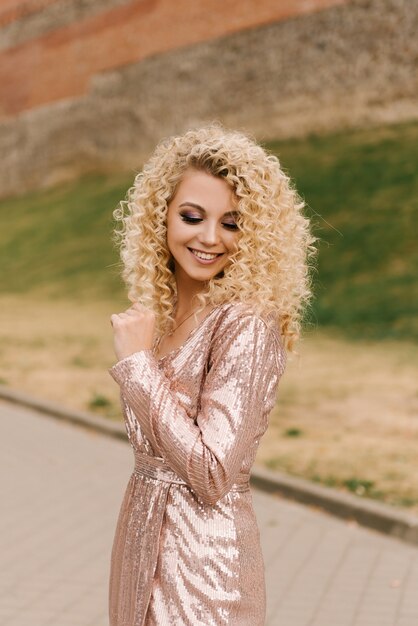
column 202, row 231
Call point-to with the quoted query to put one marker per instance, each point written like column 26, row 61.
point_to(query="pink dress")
column 186, row 550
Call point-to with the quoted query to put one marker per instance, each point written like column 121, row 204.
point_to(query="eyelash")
column 196, row 220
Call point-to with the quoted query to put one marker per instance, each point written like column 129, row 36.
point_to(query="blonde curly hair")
column 270, row 268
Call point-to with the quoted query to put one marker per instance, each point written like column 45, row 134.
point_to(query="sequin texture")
column 186, row 550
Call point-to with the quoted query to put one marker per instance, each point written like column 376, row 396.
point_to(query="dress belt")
column 156, row 468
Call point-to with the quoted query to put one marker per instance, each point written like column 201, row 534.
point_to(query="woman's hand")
column 133, row 330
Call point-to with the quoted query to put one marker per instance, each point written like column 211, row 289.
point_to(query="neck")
column 187, row 288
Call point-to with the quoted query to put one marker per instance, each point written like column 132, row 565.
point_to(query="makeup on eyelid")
column 195, row 219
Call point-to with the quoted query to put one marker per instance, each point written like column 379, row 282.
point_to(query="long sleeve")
column 246, row 362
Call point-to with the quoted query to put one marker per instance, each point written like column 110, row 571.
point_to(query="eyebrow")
column 200, row 208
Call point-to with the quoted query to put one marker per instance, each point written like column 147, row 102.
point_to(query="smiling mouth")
column 206, row 256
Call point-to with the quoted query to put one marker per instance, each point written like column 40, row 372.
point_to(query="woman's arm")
column 240, row 388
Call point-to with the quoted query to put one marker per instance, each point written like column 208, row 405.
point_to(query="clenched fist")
column 133, row 330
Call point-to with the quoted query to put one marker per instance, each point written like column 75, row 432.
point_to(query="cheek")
column 174, row 232
column 177, row 238
column 232, row 241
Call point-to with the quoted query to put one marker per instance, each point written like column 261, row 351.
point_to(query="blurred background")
column 331, row 86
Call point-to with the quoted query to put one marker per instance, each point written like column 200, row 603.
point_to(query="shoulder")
column 244, row 315
column 241, row 322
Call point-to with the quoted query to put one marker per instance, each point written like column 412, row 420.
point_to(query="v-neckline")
column 188, row 338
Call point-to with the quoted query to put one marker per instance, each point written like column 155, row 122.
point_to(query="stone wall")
column 53, row 53
column 345, row 66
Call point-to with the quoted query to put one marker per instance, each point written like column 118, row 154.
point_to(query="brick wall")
column 60, row 62
column 97, row 84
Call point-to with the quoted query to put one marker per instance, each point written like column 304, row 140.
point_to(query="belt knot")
column 155, row 467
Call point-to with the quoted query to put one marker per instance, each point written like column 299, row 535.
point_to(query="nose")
column 209, row 235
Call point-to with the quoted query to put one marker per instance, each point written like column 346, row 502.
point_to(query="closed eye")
column 191, row 220
column 195, row 220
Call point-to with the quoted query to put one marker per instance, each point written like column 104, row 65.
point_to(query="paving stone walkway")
column 61, row 489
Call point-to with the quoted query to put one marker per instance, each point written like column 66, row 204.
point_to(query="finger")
column 131, row 313
column 113, row 318
column 116, row 317
column 138, row 306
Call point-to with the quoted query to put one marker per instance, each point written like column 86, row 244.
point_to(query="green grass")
column 59, row 240
column 361, row 190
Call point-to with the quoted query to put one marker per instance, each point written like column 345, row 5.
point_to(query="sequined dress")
column 186, row 549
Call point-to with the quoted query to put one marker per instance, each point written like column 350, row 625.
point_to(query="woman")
column 215, row 250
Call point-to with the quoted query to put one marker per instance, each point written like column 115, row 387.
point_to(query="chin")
column 204, row 276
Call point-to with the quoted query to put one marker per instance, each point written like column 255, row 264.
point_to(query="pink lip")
column 204, row 261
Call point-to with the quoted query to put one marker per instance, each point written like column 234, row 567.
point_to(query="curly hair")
column 270, row 268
